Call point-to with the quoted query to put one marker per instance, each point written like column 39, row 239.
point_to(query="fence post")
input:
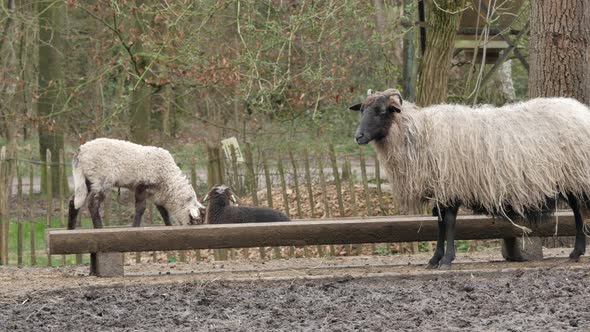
column 267, row 180
column 325, row 197
column 308, row 183
column 365, row 183
column 194, row 184
column 236, row 183
column 3, row 213
column 32, row 223
column 19, row 239
column 337, row 180
column 296, row 182
column 283, row 187
column 379, row 190
column 49, row 196
column 351, row 187
column 252, row 183
column 62, row 184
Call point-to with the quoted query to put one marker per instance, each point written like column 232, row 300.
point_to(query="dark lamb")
column 220, row 210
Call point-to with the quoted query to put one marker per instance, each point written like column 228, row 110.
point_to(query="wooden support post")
column 308, row 184
column 62, row 175
column 194, row 185
column 236, row 183
column 107, row 264
column 252, row 181
column 378, row 181
column 521, row 249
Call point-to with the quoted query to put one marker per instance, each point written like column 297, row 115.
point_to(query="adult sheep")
column 518, row 158
column 148, row 171
column 220, row 210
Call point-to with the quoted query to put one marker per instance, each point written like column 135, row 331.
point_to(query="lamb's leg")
column 140, row 204
column 440, row 241
column 164, row 214
column 72, row 214
column 450, row 217
column 94, row 201
column 580, row 244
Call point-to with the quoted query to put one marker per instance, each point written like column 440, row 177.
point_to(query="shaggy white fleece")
column 109, row 163
column 514, row 155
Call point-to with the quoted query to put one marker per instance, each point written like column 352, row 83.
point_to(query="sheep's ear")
column 195, row 214
column 355, row 107
column 395, row 103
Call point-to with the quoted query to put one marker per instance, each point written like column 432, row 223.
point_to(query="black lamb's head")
column 377, row 113
column 220, row 195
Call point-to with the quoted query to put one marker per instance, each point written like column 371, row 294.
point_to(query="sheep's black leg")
column 72, row 214
column 94, row 201
column 140, row 204
column 164, row 214
column 440, row 241
column 580, row 244
column 450, row 217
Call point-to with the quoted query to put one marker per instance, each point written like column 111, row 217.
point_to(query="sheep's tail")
column 80, row 188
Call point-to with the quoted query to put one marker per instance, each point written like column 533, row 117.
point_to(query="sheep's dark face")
column 221, row 195
column 377, row 114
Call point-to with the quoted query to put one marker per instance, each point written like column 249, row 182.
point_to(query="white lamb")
column 150, row 172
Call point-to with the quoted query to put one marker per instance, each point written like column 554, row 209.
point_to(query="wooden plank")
column 294, row 233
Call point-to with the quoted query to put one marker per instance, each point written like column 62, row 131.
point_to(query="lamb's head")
column 191, row 212
column 221, row 195
column 377, row 113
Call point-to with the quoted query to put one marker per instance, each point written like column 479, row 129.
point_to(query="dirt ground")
column 482, row 292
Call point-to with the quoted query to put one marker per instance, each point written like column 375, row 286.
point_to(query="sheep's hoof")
column 575, row 255
column 430, row 266
column 444, row 267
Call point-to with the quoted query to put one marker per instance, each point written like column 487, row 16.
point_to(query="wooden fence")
column 315, row 183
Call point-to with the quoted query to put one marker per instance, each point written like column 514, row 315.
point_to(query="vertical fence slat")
column 236, row 183
column 308, row 183
column 79, row 225
column 3, row 213
column 21, row 202
column 267, row 180
column 368, row 202
column 31, row 209
column 291, row 251
column 252, row 184
column 337, row 180
column 296, row 183
column 325, row 202
column 378, row 181
column 62, row 173
column 194, row 184
column 283, row 187
column 49, row 195
column 351, row 188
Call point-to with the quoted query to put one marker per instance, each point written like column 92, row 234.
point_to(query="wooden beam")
column 295, row 233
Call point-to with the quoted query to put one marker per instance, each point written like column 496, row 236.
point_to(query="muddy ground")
column 338, row 294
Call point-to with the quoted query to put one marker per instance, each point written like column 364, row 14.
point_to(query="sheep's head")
column 195, row 214
column 377, row 112
column 221, row 195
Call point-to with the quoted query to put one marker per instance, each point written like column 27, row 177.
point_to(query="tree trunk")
column 442, row 19
column 141, row 97
column 560, row 49
column 51, row 85
column 409, row 79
